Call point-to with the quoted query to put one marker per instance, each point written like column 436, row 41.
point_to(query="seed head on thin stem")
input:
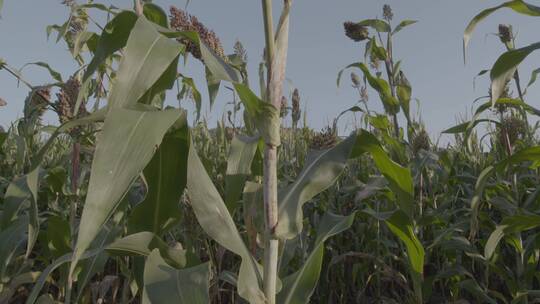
column 388, row 15
column 296, row 112
column 505, row 33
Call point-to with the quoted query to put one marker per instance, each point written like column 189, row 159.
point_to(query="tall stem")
column 270, row 169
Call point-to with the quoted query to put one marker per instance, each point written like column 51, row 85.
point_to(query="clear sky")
column 431, row 51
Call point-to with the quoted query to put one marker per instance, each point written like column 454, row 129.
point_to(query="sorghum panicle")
column 355, row 31
column 284, row 107
column 182, row 21
column 240, row 51
column 505, row 33
column 325, row 139
column 512, row 127
column 388, row 15
column 67, row 99
column 296, row 112
column 420, row 141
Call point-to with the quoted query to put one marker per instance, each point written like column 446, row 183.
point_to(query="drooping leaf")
column 403, row 24
column 143, row 243
column 241, row 155
column 324, row 167
column 215, row 219
column 54, row 74
column 162, row 283
column 166, row 178
column 377, row 24
column 518, row 6
column 299, row 286
column 126, row 144
column 534, row 76
column 504, row 68
column 465, row 126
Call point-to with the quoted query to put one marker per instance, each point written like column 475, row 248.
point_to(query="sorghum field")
column 125, row 201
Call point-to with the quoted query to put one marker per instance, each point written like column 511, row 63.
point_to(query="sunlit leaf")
column 117, row 163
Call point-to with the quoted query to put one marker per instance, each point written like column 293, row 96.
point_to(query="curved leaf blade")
column 215, row 219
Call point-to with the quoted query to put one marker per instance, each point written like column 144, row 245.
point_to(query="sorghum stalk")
column 270, row 167
column 138, row 7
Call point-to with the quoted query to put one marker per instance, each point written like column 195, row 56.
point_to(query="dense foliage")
column 126, row 202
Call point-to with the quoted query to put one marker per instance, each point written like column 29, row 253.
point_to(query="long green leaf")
column 403, row 24
column 215, row 219
column 241, row 155
column 377, row 24
column 126, row 144
column 504, row 68
column 324, row 167
column 518, row 6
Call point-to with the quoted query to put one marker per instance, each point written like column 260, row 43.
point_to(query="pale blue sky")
column 431, row 50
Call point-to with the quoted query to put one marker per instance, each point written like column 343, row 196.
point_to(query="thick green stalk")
column 270, row 169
